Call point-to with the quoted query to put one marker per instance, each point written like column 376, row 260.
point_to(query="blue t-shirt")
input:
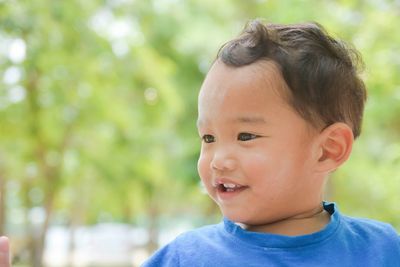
column 345, row 241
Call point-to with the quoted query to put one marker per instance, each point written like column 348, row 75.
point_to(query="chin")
column 238, row 216
column 249, row 219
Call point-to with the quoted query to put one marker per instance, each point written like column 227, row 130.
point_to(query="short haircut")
column 322, row 73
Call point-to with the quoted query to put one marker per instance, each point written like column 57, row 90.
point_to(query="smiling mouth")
column 229, row 187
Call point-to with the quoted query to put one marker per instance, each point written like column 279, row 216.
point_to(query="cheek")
column 257, row 163
column 268, row 170
column 256, row 166
column 203, row 166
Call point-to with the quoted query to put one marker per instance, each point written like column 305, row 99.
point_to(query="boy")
column 277, row 113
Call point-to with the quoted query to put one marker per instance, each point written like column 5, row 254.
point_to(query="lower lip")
column 227, row 195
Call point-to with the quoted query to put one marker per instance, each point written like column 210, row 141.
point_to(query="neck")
column 302, row 224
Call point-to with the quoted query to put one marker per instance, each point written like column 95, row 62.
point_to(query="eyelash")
column 248, row 135
column 207, row 138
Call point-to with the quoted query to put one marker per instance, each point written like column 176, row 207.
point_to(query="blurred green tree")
column 98, row 109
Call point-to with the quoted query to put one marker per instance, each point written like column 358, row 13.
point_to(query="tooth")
column 230, row 185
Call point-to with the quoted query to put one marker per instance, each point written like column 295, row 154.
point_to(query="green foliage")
column 103, row 112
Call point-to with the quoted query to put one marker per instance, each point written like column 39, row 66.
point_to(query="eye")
column 207, row 138
column 246, row 136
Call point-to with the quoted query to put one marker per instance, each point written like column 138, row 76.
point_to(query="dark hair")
column 320, row 71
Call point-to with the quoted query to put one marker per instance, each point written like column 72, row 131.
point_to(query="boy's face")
column 258, row 155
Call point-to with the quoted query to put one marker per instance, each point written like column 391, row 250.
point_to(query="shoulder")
column 362, row 225
column 370, row 230
column 184, row 246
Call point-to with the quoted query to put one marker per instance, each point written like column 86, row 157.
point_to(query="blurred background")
column 98, row 143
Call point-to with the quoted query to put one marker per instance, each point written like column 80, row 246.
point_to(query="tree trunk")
column 71, row 246
column 48, row 206
column 153, row 229
column 50, row 173
column 77, row 212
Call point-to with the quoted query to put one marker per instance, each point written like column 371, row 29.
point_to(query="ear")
column 336, row 142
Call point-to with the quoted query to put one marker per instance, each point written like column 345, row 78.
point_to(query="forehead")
column 262, row 73
column 246, row 91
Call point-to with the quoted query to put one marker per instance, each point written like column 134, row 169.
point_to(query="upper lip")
column 220, row 181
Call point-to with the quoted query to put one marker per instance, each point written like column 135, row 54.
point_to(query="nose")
column 223, row 161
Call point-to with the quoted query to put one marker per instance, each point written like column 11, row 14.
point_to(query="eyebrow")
column 245, row 120
column 250, row 120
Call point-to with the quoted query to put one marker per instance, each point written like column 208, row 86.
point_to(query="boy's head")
column 320, row 72
column 278, row 111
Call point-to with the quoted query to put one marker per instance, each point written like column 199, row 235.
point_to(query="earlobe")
column 335, row 146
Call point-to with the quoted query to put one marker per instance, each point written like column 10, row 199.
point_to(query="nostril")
column 223, row 164
column 216, row 164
